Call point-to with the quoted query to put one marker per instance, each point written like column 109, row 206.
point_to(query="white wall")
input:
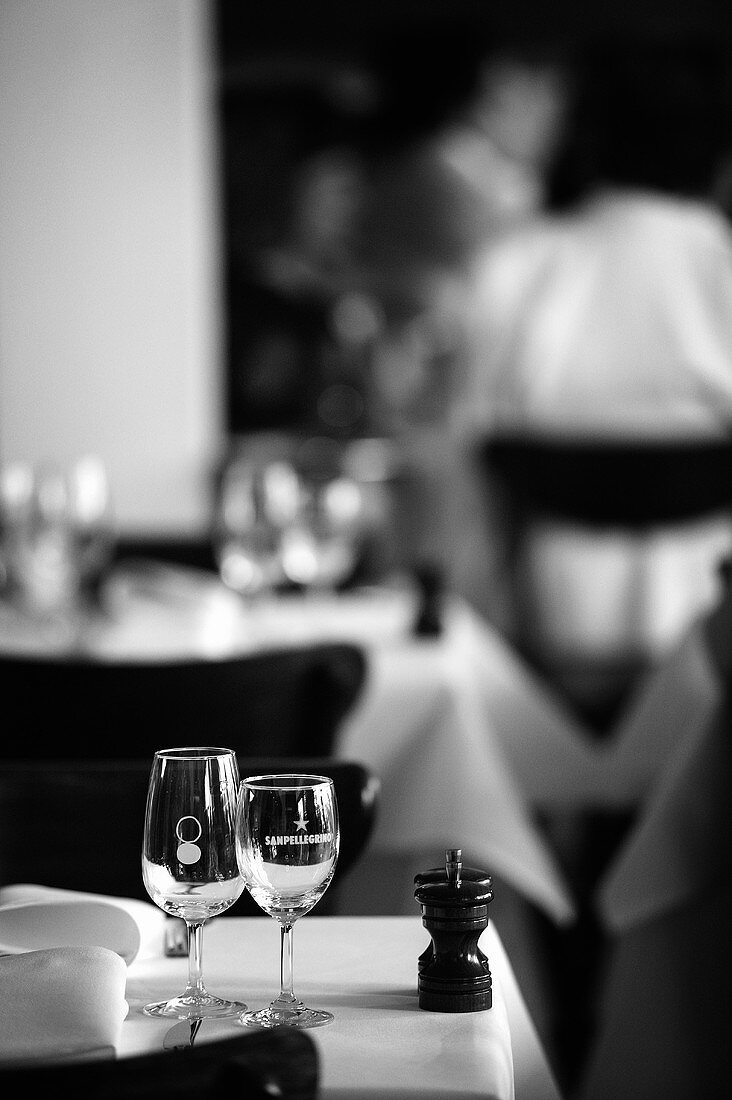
column 110, row 307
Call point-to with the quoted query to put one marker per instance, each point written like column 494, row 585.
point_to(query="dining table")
column 363, row 969
column 471, row 746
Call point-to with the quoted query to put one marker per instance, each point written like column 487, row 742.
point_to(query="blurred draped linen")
column 663, row 1012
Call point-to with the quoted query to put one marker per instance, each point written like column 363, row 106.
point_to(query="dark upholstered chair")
column 274, row 703
column 62, row 820
column 254, row 1065
column 631, row 484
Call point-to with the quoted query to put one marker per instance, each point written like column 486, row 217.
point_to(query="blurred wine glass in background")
column 91, row 510
column 257, row 499
column 320, row 547
column 57, row 535
column 303, row 512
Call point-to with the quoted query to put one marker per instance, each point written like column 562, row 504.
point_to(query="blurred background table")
column 469, row 743
column 422, row 722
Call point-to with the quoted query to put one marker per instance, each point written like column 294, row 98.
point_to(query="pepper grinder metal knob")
column 453, row 973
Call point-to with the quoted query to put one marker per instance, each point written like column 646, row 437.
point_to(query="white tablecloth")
column 364, row 970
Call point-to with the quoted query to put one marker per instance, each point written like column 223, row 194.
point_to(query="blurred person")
column 472, row 123
column 606, row 318
column 466, row 137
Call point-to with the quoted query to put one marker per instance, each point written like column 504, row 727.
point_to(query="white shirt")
column 614, row 320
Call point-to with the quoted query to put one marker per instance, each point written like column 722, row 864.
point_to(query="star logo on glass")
column 301, row 823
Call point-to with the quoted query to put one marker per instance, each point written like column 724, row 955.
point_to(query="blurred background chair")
column 257, row 1065
column 634, row 503
column 78, row 824
column 279, row 702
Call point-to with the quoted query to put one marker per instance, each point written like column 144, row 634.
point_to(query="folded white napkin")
column 60, row 1004
column 36, row 917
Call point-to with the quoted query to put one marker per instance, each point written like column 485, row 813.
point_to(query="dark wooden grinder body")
column 453, row 974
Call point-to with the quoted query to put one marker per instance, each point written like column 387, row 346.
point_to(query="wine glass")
column 256, row 498
column 320, row 546
column 189, row 863
column 57, row 535
column 91, row 512
column 287, row 842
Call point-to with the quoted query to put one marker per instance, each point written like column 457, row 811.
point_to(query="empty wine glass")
column 321, row 545
column 257, row 498
column 91, row 511
column 287, row 842
column 57, row 534
column 189, row 862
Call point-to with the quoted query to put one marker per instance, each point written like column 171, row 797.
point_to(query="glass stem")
column 195, row 958
column 287, row 995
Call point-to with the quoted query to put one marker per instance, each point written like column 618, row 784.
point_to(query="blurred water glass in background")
column 320, row 547
column 300, row 512
column 90, row 509
column 56, row 535
column 257, row 500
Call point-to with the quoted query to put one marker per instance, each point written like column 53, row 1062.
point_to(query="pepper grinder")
column 431, row 585
column 453, row 974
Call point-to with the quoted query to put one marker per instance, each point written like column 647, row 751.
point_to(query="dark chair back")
column 255, row 1065
column 275, row 703
column 630, row 484
column 78, row 824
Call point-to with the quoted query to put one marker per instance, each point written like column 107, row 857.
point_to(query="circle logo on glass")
column 188, row 851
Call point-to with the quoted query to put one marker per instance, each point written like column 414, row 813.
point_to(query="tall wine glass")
column 189, row 863
column 287, row 842
column 321, row 544
column 91, row 512
column 57, row 536
column 257, row 497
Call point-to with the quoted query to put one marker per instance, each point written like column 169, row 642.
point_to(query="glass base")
column 187, row 1007
column 297, row 1016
